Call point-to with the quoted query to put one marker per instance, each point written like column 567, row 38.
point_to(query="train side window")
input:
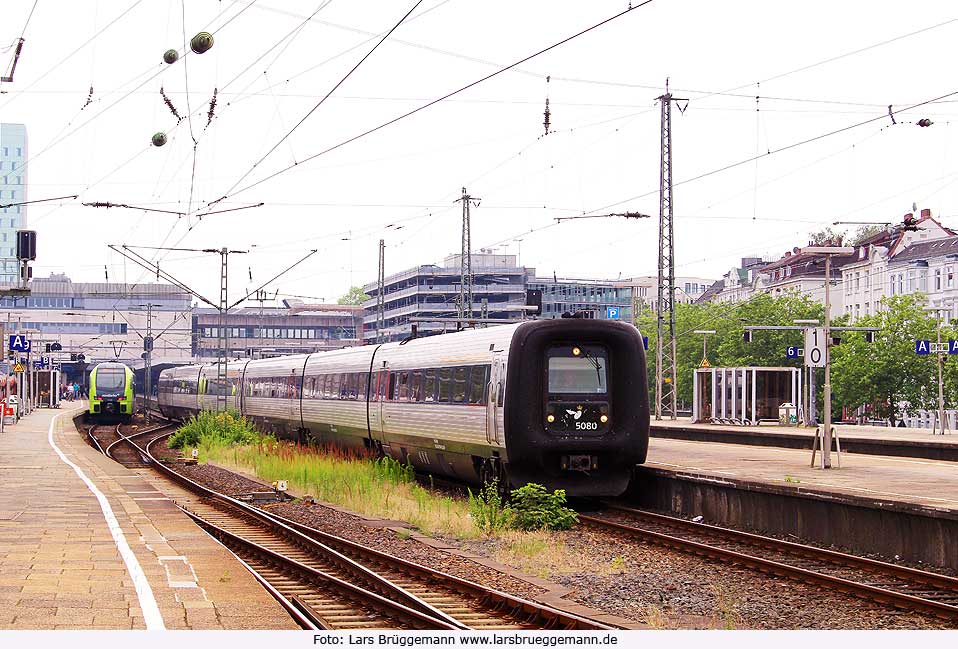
column 351, row 387
column 478, row 379
column 363, row 386
column 445, row 384
column 344, row 385
column 318, row 382
column 460, row 378
column 354, row 379
column 332, row 386
column 415, row 385
column 429, row 380
column 499, row 394
column 403, row 386
column 383, row 385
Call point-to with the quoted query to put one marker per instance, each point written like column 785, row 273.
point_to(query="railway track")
column 900, row 586
column 330, row 583
column 110, row 440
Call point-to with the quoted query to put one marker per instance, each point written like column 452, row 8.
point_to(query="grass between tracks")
column 379, row 487
column 372, row 487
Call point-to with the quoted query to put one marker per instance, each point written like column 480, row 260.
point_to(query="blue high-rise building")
column 13, row 189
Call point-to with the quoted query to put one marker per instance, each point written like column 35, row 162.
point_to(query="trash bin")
column 787, row 415
column 11, row 406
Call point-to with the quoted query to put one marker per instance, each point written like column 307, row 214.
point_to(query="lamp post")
column 937, row 310
column 828, row 252
column 705, row 336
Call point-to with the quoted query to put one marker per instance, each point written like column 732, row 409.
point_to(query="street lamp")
column 705, row 336
column 828, row 252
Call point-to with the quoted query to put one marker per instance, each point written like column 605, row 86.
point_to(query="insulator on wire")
column 201, row 43
column 171, row 56
column 159, row 139
column 547, row 114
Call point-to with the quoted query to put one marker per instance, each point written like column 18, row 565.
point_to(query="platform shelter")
column 745, row 395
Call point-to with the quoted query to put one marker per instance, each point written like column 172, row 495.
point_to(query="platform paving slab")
column 61, row 569
column 910, row 481
column 867, row 440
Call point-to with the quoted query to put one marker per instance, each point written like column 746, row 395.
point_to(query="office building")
column 13, row 189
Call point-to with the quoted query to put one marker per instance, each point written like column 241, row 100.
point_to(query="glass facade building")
column 13, row 189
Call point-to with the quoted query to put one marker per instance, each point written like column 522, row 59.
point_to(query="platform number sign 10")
column 815, row 347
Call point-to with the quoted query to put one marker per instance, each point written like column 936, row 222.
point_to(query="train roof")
column 111, row 364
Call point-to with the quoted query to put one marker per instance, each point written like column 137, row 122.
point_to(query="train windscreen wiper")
column 598, row 368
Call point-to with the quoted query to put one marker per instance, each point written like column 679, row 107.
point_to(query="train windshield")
column 577, row 370
column 110, row 380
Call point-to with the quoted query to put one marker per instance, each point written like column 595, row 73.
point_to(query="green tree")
column 354, row 296
column 726, row 347
column 825, row 237
column 888, row 372
column 864, row 232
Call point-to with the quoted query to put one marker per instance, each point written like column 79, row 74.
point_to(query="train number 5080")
column 586, row 425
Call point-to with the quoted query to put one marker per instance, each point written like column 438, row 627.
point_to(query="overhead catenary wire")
column 780, row 149
column 71, row 54
column 407, row 114
column 326, row 96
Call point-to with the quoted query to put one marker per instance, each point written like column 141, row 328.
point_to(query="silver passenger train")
column 563, row 403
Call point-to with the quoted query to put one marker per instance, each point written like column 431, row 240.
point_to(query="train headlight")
column 576, row 351
column 550, row 418
column 604, row 418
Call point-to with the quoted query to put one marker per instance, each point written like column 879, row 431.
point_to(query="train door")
column 376, row 398
column 494, row 432
column 296, row 387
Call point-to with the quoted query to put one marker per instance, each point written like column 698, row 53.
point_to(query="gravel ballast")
column 660, row 587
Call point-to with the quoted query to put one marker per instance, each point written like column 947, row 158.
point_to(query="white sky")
column 605, row 147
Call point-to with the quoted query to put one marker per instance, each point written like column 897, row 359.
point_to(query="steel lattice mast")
column 465, row 260
column 380, row 292
column 665, row 353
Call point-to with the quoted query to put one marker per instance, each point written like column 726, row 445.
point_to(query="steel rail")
column 546, row 616
column 839, row 558
column 351, row 567
column 121, row 438
column 866, row 590
column 93, row 439
column 419, row 619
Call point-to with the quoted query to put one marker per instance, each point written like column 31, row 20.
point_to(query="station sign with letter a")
column 19, row 343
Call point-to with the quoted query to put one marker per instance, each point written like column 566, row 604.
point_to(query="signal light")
column 870, row 336
column 747, row 336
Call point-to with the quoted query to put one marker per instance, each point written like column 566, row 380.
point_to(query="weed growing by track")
column 208, row 430
column 380, row 488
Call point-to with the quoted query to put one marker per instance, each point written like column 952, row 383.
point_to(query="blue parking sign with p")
column 19, row 343
column 612, row 313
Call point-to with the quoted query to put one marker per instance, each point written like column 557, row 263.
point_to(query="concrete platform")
column 123, row 558
column 892, row 505
column 871, row 440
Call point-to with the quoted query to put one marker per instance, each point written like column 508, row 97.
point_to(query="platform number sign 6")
column 815, row 347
